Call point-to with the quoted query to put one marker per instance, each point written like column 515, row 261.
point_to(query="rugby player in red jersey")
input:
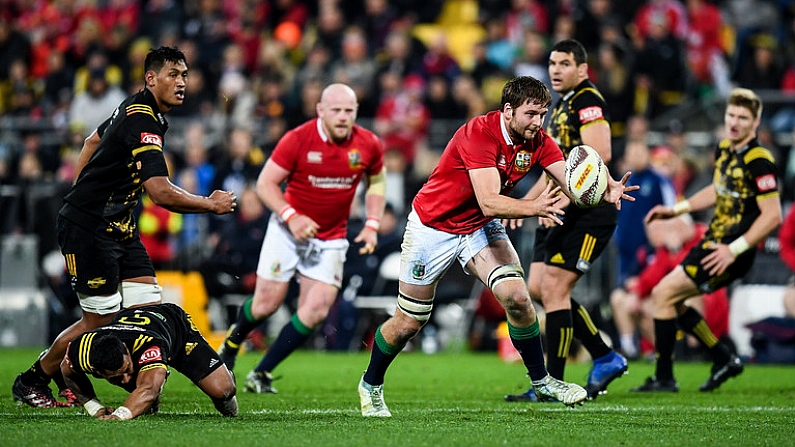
column 321, row 161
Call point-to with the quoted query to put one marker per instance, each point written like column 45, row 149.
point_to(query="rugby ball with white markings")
column 586, row 176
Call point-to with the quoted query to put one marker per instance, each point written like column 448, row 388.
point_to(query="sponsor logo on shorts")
column 189, row 347
column 418, row 270
column 212, row 362
column 151, row 138
column 96, row 282
column 276, row 268
column 557, row 259
column 150, row 355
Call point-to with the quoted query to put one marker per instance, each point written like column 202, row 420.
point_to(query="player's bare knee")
column 618, row 298
column 264, row 308
column 519, row 313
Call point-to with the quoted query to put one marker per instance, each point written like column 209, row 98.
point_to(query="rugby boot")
column 569, row 394
column 70, row 397
column 37, row 395
column 653, row 385
column 722, row 373
column 604, row 370
column 372, row 400
column 260, row 383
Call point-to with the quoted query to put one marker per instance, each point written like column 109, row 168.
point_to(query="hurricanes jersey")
column 110, row 185
column 741, row 178
column 153, row 335
column 582, row 107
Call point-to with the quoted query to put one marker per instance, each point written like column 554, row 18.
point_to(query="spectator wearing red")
column 704, row 46
column 674, row 12
column 403, row 119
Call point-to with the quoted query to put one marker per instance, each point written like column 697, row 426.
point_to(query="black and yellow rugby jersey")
column 153, row 334
column 111, row 184
column 740, row 178
column 582, row 107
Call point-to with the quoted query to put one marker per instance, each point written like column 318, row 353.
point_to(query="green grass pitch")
column 448, row 399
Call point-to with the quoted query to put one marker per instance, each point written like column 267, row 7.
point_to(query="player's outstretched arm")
column 703, row 199
column 176, row 199
column 147, row 391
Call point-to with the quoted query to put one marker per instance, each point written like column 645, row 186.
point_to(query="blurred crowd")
column 419, row 68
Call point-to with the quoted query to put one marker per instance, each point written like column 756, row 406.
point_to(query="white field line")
column 542, row 408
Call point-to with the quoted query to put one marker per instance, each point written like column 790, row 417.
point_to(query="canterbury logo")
column 96, row 283
column 583, row 176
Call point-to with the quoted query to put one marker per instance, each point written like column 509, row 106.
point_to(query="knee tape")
column 100, row 305
column 417, row 309
column 505, row 272
column 136, row 293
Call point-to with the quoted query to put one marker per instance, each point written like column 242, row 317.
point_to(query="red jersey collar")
column 322, row 133
column 505, row 135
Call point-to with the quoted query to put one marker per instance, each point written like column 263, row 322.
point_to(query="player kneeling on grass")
column 135, row 351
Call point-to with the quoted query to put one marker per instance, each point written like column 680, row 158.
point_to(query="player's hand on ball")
column 550, row 203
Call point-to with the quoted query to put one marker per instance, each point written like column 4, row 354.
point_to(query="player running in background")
column 744, row 192
column 322, row 161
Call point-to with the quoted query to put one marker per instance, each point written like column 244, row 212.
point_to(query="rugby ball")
column 586, row 176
